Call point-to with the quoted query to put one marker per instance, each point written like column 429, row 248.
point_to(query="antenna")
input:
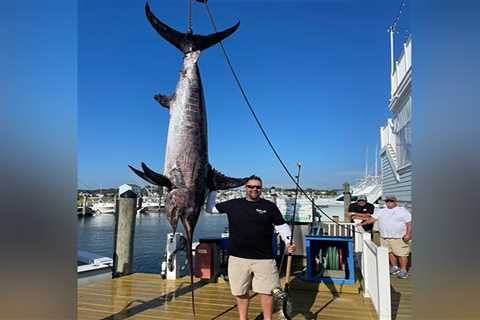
column 391, row 30
column 375, row 173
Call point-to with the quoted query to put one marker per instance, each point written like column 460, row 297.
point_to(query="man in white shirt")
column 395, row 226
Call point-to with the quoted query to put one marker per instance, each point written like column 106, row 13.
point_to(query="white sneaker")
column 394, row 270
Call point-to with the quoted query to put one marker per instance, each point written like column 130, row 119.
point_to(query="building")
column 396, row 136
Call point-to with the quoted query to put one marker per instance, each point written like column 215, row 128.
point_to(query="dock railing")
column 374, row 265
column 341, row 229
column 375, row 272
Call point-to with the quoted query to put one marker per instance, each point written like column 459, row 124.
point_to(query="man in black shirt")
column 251, row 264
column 361, row 209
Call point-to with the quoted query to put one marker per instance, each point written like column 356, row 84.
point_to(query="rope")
column 397, row 17
column 189, row 30
column 264, row 133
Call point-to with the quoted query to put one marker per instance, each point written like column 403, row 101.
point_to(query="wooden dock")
column 148, row 297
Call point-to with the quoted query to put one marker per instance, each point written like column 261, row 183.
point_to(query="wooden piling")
column 124, row 234
column 346, row 201
column 84, row 205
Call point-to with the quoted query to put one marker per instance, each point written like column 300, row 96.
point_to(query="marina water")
column 96, row 235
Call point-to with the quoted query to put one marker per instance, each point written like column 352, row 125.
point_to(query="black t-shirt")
column 367, row 208
column 251, row 227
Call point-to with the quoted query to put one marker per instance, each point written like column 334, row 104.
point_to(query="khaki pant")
column 260, row 275
column 398, row 247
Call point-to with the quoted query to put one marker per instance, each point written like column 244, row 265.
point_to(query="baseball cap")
column 362, row 197
column 391, row 197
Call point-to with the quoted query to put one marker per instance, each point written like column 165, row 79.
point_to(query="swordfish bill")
column 188, row 175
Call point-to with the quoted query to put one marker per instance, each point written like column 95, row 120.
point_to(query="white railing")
column 373, row 261
column 341, row 229
column 387, row 137
column 402, row 67
column 376, row 274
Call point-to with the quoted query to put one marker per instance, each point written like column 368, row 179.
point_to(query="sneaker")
column 394, row 270
column 402, row 274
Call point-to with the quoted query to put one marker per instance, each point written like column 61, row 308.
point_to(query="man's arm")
column 368, row 220
column 222, row 207
column 408, row 232
column 359, row 215
column 285, row 233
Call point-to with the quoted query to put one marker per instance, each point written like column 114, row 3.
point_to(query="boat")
column 102, row 207
column 88, row 211
column 149, row 204
column 92, row 267
column 370, row 186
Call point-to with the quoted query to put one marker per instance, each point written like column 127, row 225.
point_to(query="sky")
column 316, row 73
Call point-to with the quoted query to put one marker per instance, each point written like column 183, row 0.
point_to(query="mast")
column 366, row 162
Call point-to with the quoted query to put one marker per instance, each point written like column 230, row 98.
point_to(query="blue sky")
column 316, row 72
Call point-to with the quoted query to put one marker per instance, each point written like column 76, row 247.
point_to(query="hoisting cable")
column 252, row 111
column 397, row 18
column 189, row 30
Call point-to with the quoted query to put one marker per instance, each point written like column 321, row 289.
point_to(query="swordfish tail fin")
column 187, row 42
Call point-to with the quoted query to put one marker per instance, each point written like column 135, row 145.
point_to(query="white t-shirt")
column 391, row 222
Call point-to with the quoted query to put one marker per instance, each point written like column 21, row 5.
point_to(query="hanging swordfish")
column 187, row 175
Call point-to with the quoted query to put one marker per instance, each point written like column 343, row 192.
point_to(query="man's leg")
column 240, row 277
column 266, row 301
column 242, row 305
column 403, row 262
column 402, row 249
column 393, row 259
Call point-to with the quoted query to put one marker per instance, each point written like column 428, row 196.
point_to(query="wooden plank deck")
column 148, row 297
column 401, row 294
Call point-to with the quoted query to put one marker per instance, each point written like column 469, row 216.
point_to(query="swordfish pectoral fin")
column 157, row 178
column 142, row 175
column 218, row 181
column 164, row 100
column 152, row 177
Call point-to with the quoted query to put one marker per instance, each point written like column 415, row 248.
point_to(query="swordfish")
column 187, row 175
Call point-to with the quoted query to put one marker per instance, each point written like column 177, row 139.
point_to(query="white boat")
column 370, row 186
column 104, row 207
column 92, row 267
column 149, row 204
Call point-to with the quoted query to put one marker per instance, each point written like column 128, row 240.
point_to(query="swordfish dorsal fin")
column 187, row 42
column 218, row 181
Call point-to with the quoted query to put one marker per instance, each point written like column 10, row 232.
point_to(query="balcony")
column 401, row 75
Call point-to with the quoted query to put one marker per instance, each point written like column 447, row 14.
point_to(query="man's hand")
column 407, row 237
column 291, row 248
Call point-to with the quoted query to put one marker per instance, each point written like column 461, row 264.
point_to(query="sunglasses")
column 389, row 200
column 254, row 187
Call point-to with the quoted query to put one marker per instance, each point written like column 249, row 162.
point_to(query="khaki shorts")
column 261, row 275
column 397, row 246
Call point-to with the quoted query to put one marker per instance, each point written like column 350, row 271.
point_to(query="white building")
column 396, row 136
